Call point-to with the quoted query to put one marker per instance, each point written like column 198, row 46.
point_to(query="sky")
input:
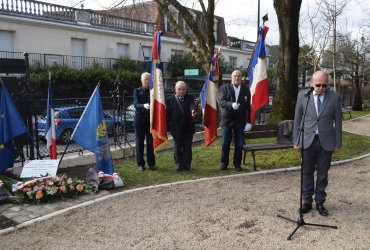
column 241, row 15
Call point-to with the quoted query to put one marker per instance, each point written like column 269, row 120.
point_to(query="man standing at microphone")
column 235, row 101
column 322, row 137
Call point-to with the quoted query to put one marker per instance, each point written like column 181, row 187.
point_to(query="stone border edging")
column 100, row 199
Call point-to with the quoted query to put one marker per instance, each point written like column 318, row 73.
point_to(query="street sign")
column 191, row 72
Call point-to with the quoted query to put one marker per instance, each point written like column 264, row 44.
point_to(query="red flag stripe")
column 159, row 128
column 261, row 99
column 210, row 125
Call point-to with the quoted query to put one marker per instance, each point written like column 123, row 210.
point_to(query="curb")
column 100, row 199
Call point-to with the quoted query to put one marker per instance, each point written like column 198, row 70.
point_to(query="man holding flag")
column 50, row 136
column 91, row 133
column 235, row 109
column 257, row 73
column 11, row 126
column 158, row 119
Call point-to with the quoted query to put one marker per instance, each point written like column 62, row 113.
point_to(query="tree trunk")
column 357, row 99
column 287, row 69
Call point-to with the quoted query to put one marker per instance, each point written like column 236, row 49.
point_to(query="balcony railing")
column 77, row 62
column 54, row 12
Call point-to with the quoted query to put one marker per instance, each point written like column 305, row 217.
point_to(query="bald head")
column 320, row 81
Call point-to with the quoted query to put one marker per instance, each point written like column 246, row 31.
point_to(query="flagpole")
column 264, row 19
column 258, row 18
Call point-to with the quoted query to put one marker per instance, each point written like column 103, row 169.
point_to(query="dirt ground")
column 236, row 212
column 233, row 212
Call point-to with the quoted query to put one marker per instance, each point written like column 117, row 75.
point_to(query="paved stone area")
column 18, row 214
column 22, row 213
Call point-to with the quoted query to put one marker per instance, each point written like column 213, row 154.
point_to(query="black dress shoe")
column 238, row 169
column 187, row 168
column 178, row 168
column 151, row 167
column 306, row 207
column 141, row 168
column 223, row 167
column 322, row 210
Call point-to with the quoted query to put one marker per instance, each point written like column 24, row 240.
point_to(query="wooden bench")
column 263, row 131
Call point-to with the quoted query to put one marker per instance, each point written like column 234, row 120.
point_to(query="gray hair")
column 145, row 74
column 181, row 83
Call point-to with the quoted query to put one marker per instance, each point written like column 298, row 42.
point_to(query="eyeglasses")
column 321, row 85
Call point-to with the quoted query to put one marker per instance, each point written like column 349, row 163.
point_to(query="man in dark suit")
column 180, row 112
column 142, row 124
column 235, row 101
column 322, row 137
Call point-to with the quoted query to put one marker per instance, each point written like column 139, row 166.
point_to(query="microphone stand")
column 300, row 222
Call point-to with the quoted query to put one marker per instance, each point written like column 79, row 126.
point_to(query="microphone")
column 308, row 92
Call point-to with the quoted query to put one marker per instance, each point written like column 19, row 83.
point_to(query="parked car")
column 129, row 115
column 66, row 119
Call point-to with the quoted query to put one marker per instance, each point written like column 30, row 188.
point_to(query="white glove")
column 146, row 106
column 235, row 106
column 248, row 127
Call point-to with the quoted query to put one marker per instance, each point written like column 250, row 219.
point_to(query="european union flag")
column 91, row 133
column 11, row 126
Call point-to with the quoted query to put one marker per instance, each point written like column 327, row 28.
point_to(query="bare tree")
column 287, row 70
column 203, row 47
column 200, row 41
column 353, row 54
column 332, row 10
column 317, row 39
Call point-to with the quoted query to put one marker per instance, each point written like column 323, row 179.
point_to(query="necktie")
column 181, row 99
column 318, row 103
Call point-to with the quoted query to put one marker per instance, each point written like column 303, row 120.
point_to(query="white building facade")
column 58, row 31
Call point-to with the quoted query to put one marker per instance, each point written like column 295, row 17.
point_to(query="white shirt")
column 237, row 90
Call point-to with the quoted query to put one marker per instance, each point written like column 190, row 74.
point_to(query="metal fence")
column 119, row 115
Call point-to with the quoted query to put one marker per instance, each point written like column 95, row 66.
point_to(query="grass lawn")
column 355, row 114
column 206, row 161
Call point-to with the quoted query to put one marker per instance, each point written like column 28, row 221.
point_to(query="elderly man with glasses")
column 322, row 136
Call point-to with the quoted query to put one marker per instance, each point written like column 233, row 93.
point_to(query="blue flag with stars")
column 11, row 126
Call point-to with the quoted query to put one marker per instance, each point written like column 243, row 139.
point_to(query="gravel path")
column 234, row 212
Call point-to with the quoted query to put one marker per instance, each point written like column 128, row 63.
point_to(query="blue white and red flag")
column 50, row 135
column 158, row 117
column 258, row 81
column 208, row 97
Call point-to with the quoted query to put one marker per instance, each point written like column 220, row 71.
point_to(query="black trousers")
column 315, row 158
column 182, row 150
column 141, row 134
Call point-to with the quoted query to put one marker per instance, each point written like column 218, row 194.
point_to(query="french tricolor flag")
column 158, row 117
column 258, row 82
column 209, row 106
column 50, row 136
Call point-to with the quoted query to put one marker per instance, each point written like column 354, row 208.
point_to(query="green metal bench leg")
column 254, row 161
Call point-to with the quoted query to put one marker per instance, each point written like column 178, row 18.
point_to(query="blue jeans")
column 227, row 133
